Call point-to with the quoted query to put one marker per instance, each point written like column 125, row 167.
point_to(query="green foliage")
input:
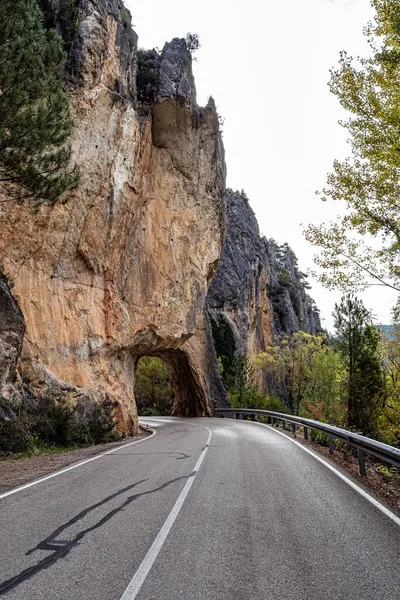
column 324, row 399
column 367, row 183
column 225, row 347
column 289, row 367
column 389, row 471
column 34, row 113
column 192, row 42
column 241, row 381
column 359, row 344
column 352, row 380
column 285, row 258
column 220, row 366
column 148, row 65
column 275, row 404
column 319, row 438
column 16, row 436
column 52, row 422
column 153, row 387
column 244, row 393
column 64, row 16
column 149, row 412
column 389, row 418
column 49, row 422
column 95, row 424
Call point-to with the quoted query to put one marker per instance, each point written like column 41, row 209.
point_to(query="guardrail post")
column 382, row 452
column 361, row 462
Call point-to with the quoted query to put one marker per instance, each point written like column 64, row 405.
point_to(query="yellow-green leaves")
column 368, row 183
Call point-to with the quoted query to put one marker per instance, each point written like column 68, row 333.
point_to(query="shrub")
column 319, row 438
column 192, row 42
column 99, row 422
column 63, row 16
column 51, row 421
column 149, row 412
column 16, row 436
column 148, row 64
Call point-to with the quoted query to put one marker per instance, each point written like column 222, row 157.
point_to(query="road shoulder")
column 15, row 472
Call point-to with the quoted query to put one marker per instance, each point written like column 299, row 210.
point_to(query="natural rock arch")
column 189, row 396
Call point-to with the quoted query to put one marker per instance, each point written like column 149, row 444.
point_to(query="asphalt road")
column 205, row 509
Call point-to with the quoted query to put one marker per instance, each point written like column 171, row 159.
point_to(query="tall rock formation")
column 238, row 294
column 122, row 268
column 293, row 308
column 12, row 329
column 258, row 293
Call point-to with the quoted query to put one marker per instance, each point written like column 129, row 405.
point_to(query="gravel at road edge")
column 18, row 471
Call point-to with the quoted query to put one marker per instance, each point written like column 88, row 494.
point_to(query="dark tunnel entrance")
column 165, row 384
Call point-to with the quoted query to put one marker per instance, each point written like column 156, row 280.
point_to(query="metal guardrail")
column 364, row 445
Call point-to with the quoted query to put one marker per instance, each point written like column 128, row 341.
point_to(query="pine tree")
column 35, row 121
column 242, row 377
column 358, row 342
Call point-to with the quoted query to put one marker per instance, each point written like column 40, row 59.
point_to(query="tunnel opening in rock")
column 166, row 384
column 153, row 387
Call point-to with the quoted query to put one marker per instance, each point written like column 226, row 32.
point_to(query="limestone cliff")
column 258, row 293
column 293, row 308
column 12, row 329
column 122, row 268
column 238, row 294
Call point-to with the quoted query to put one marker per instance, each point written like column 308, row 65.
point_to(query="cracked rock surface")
column 122, row 268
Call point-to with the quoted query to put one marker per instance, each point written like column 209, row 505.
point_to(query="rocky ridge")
column 123, row 268
column 258, row 294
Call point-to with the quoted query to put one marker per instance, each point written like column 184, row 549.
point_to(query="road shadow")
column 181, row 456
column 61, row 548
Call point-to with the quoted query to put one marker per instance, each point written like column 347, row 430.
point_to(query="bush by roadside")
column 49, row 422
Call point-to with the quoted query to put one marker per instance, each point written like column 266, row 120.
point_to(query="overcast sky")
column 266, row 63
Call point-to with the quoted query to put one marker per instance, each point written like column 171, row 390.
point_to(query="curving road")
column 204, row 509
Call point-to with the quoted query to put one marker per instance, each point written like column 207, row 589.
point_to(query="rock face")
column 293, row 308
column 238, row 293
column 122, row 269
column 176, row 76
column 258, row 293
column 12, row 329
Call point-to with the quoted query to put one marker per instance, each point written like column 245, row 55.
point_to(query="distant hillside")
column 387, row 329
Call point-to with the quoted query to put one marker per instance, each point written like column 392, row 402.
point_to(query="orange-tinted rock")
column 122, row 268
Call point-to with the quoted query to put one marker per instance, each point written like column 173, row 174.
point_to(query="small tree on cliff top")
column 192, row 42
column 34, row 113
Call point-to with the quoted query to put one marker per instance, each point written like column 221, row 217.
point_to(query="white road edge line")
column 349, row 482
column 139, row 578
column 75, row 466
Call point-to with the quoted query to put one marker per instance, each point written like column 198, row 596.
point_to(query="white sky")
column 266, row 63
